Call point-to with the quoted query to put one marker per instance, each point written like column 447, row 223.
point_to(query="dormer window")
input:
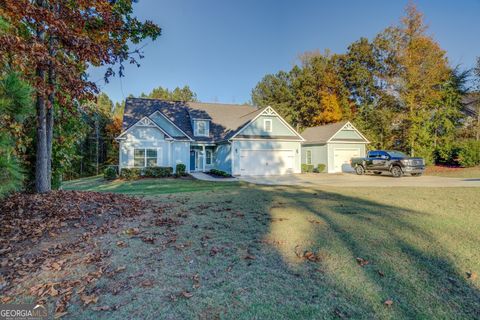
column 201, row 128
column 267, row 125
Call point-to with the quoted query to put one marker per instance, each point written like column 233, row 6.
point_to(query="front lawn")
column 146, row 186
column 239, row 251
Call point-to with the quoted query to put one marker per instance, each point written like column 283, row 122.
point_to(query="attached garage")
column 267, row 145
column 333, row 145
column 267, row 162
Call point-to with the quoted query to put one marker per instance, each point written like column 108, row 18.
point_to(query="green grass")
column 473, row 172
column 423, row 240
column 145, row 186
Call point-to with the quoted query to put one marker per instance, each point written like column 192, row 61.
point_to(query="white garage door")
column 341, row 159
column 266, row 162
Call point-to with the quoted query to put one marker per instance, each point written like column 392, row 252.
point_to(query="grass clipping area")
column 244, row 251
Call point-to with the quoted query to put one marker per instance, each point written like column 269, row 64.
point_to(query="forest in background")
column 398, row 89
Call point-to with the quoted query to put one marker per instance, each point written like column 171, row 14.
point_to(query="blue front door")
column 192, row 160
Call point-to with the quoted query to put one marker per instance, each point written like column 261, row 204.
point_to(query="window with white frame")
column 201, row 128
column 267, row 125
column 309, row 156
column 208, row 156
column 145, row 157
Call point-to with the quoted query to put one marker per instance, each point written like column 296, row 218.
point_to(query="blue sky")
column 222, row 48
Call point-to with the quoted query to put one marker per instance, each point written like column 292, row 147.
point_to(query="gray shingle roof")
column 225, row 119
column 470, row 104
column 322, row 134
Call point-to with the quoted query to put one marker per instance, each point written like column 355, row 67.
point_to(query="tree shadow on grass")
column 406, row 262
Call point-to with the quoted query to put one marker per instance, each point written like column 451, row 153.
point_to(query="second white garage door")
column 266, row 162
column 341, row 158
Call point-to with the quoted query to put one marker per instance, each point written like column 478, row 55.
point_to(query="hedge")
column 219, row 173
column 469, row 153
column 158, row 172
column 130, row 173
column 149, row 172
column 110, row 173
column 180, row 170
column 307, row 167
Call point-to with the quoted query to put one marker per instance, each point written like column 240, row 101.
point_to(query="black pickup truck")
column 395, row 162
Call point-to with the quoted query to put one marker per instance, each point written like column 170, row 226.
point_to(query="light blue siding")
column 347, row 134
column 223, row 160
column 319, row 154
column 169, row 153
column 166, row 125
column 256, row 128
column 144, row 134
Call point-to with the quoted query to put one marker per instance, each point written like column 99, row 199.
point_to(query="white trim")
column 265, row 121
column 258, row 139
column 195, row 128
column 152, row 125
column 345, row 142
column 164, row 116
column 268, row 111
column 349, row 124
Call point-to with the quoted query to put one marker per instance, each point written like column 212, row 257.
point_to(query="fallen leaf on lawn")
column 121, row 244
column 472, row 275
column 362, row 262
column 101, row 308
column 58, row 315
column 381, row 273
column 132, row 231
column 173, row 298
column 229, row 268
column 187, row 294
column 88, row 299
column 148, row 240
column 214, row 251
column 146, row 283
column 388, row 302
column 249, row 257
column 53, row 292
column 120, row 269
column 196, row 281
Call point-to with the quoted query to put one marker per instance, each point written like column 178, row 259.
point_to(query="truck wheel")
column 396, row 171
column 359, row 170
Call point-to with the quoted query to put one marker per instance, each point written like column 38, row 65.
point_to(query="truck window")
column 372, row 154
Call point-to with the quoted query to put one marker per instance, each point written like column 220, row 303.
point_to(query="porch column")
column 204, row 158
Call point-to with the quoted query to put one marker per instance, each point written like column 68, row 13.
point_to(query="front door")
column 193, row 158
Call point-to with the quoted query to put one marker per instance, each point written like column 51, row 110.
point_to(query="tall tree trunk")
column 41, row 163
column 50, row 111
column 97, row 138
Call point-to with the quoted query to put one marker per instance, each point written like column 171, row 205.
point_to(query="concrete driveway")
column 353, row 180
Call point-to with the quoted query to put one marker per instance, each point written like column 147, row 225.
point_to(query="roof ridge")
column 197, row 102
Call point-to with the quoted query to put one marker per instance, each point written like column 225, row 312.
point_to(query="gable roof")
column 323, row 134
column 470, row 104
column 225, row 119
